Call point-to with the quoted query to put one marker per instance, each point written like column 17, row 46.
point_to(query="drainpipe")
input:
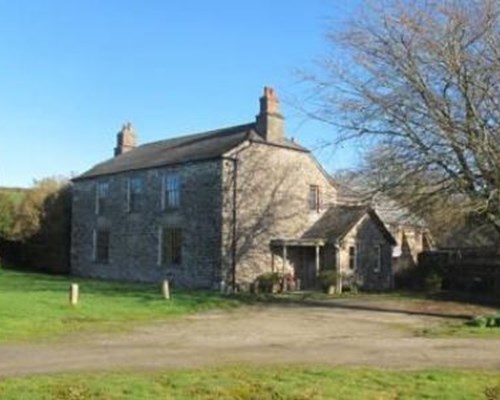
column 233, row 244
column 234, row 241
column 234, row 220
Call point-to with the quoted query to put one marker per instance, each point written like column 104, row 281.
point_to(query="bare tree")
column 418, row 82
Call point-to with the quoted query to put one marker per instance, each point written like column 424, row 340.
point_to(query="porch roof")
column 338, row 221
column 304, row 242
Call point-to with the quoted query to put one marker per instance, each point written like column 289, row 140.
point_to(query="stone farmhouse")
column 221, row 208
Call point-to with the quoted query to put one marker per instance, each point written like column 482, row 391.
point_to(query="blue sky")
column 72, row 72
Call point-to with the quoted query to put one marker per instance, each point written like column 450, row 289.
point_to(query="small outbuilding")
column 351, row 240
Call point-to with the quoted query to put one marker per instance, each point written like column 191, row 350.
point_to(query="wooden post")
column 73, row 294
column 338, row 269
column 284, row 257
column 165, row 289
column 316, row 264
column 317, row 261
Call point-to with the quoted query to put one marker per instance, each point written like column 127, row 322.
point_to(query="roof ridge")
column 195, row 137
column 180, row 149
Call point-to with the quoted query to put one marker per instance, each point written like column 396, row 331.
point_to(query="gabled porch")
column 303, row 258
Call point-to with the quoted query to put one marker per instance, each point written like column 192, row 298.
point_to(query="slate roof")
column 394, row 214
column 196, row 147
column 338, row 220
column 390, row 211
column 346, row 194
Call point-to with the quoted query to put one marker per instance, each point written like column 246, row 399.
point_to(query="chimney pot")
column 126, row 139
column 269, row 121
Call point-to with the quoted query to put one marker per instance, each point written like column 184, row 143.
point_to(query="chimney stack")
column 270, row 124
column 125, row 139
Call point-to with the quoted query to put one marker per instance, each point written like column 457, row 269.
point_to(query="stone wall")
column 366, row 236
column 272, row 188
column 134, row 236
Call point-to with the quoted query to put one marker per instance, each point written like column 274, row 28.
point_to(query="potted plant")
column 288, row 282
column 269, row 282
column 328, row 281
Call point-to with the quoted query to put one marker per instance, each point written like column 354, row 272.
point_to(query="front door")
column 306, row 268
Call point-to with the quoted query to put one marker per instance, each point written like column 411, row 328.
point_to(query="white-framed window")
column 171, row 191
column 101, row 197
column 135, row 189
column 313, row 199
column 352, row 257
column 101, row 246
column 377, row 250
column 170, row 246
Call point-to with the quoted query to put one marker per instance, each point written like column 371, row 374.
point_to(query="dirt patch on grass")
column 336, row 332
column 415, row 306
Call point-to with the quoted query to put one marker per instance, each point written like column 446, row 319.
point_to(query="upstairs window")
column 134, row 193
column 171, row 194
column 170, row 249
column 101, row 246
column 313, row 198
column 352, row 257
column 102, row 194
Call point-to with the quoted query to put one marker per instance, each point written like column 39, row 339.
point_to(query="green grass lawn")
column 263, row 383
column 36, row 305
column 460, row 330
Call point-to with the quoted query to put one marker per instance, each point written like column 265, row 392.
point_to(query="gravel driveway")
column 339, row 333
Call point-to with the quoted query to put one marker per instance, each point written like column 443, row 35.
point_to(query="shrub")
column 478, row 322
column 491, row 321
column 431, row 272
column 35, row 226
column 267, row 281
column 7, row 215
column 485, row 321
column 433, row 282
column 353, row 288
column 327, row 279
column 406, row 278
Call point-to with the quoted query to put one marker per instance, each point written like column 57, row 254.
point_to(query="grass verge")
column 460, row 330
column 36, row 305
column 269, row 383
